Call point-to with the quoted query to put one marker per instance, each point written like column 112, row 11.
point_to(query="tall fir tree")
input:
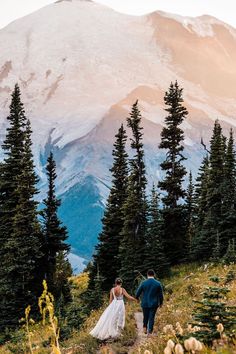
column 190, row 218
column 172, row 137
column 155, row 254
column 11, row 168
column 133, row 241
column 200, row 204
column 106, row 257
column 200, row 195
column 55, row 234
column 228, row 222
column 19, row 227
column 209, row 232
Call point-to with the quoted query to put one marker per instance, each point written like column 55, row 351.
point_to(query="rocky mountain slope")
column 80, row 66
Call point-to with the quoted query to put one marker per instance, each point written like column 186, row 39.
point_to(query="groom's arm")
column 139, row 291
column 161, row 297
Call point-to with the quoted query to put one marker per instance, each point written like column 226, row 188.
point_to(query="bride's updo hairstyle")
column 118, row 281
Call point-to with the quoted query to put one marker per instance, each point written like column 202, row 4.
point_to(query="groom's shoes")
column 145, row 330
column 151, row 334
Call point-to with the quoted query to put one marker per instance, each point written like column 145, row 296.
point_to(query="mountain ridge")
column 79, row 74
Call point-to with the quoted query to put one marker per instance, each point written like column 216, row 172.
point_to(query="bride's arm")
column 129, row 297
column 111, row 296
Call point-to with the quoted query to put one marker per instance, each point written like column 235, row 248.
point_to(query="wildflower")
column 168, row 328
column 193, row 344
column 220, row 328
column 167, row 350
column 196, row 329
column 199, row 346
column 187, row 345
column 170, row 344
column 179, row 329
column 189, row 328
column 179, row 349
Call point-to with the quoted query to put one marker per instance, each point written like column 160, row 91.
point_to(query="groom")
column 152, row 298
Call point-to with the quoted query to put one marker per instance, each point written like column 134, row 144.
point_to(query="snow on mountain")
column 81, row 65
column 77, row 263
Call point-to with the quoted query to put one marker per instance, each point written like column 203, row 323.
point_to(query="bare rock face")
column 81, row 65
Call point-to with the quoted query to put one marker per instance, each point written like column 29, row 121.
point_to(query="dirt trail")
column 141, row 337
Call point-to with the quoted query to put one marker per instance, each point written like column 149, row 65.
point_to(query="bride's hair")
column 118, row 281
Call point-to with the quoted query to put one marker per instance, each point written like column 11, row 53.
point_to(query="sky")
column 222, row 9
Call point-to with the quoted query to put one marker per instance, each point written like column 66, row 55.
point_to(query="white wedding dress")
column 112, row 321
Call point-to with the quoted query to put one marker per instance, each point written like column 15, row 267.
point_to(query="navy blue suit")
column 152, row 298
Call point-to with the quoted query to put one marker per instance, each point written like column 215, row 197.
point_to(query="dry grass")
column 181, row 289
column 82, row 342
column 185, row 286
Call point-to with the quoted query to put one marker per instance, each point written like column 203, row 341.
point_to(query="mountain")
column 81, row 65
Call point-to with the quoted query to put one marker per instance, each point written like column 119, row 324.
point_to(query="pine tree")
column 11, row 168
column 172, row 137
column 228, row 221
column 213, row 310
column 230, row 255
column 94, row 295
column 200, row 204
column 19, row 226
column 211, row 226
column 200, row 195
column 61, row 284
column 133, row 242
column 55, row 234
column 106, row 257
column 190, row 218
column 155, row 255
column 216, row 252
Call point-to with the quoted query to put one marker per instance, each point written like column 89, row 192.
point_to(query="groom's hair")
column 150, row 273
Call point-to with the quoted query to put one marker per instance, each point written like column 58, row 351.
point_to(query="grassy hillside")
column 185, row 285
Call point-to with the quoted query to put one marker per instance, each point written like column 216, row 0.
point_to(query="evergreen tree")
column 19, row 226
column 230, row 255
column 211, row 226
column 133, row 242
column 155, row 255
column 106, row 257
column 213, row 310
column 216, row 253
column 11, row 168
column 190, row 218
column 61, row 283
column 190, row 198
column 94, row 296
column 172, row 137
column 200, row 195
column 200, row 204
column 228, row 221
column 55, row 234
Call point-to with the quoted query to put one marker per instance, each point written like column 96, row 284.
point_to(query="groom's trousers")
column 148, row 317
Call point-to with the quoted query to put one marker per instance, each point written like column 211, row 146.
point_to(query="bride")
column 112, row 321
